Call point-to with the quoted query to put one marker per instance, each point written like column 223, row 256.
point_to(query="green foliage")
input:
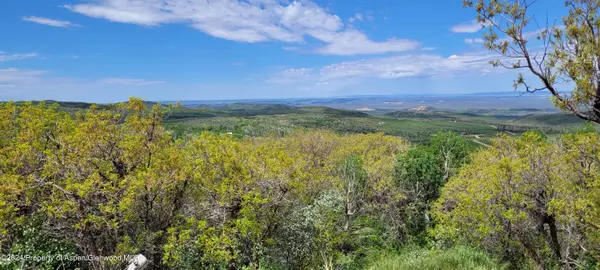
column 114, row 181
column 45, row 251
column 318, row 118
column 423, row 170
column 353, row 186
column 93, row 176
column 531, row 200
column 458, row 258
column 555, row 120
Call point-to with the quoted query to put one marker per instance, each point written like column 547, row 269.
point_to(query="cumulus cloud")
column 352, row 42
column 247, row 21
column 5, row 57
column 50, row 22
column 468, row 27
column 130, row 81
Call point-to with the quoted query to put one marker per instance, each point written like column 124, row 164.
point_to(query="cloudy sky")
column 108, row 50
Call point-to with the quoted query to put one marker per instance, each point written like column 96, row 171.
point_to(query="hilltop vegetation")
column 115, row 181
column 556, row 119
column 416, row 126
column 266, row 186
column 249, row 119
column 280, row 187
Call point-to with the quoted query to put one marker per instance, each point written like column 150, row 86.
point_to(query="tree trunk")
column 551, row 221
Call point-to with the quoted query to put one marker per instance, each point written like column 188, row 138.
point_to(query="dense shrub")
column 533, row 201
column 114, row 181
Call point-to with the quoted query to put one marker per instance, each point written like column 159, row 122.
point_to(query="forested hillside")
column 114, row 181
column 310, row 134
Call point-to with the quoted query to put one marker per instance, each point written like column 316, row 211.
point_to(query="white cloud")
column 290, row 48
column 20, row 77
column 474, row 41
column 292, row 75
column 4, row 56
column 538, row 32
column 532, row 35
column 13, row 76
column 247, row 21
column 404, row 66
column 50, row 22
column 468, row 27
column 13, row 81
column 130, row 81
column 356, row 17
column 23, row 84
column 353, row 42
column 393, row 67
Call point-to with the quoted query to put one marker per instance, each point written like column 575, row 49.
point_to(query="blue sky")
column 108, row 50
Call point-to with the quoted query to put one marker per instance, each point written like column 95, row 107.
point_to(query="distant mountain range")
column 447, row 102
column 454, row 102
